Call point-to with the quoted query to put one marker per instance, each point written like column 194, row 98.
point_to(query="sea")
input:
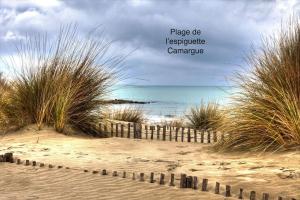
column 167, row 102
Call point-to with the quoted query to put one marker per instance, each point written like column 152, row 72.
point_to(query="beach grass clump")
column 128, row 114
column 206, row 116
column 266, row 112
column 63, row 83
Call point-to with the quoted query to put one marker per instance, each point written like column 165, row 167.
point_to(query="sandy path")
column 277, row 174
column 27, row 182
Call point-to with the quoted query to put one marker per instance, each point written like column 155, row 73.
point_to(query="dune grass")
column 266, row 113
column 63, row 81
column 205, row 117
column 128, row 114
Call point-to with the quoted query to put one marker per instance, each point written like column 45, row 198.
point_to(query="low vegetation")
column 266, row 113
column 205, row 117
column 128, row 114
column 62, row 82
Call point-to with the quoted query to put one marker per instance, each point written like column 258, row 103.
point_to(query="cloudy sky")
column 230, row 28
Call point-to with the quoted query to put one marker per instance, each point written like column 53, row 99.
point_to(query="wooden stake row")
column 185, row 181
column 182, row 134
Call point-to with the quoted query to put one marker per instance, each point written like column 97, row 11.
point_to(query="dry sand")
column 277, row 173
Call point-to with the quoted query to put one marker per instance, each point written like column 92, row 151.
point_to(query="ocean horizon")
column 168, row 102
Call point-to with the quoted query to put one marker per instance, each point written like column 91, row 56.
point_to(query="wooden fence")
column 185, row 181
column 164, row 133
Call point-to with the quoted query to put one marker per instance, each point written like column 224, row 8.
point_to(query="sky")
column 139, row 28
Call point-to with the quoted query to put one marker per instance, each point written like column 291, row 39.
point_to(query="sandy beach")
column 273, row 173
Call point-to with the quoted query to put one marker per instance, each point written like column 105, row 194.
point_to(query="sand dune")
column 277, row 173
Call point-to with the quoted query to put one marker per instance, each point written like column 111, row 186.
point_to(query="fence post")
column 134, row 130
column 208, row 136
column 189, row 134
column 204, row 184
column 252, row 195
column 217, row 188
column 265, row 196
column 189, row 182
column 117, row 130
column 164, row 133
column 152, row 131
column 202, row 136
column 112, row 129
column 227, row 191
column 172, row 180
column 170, row 136
column 122, row 130
column 176, row 134
column 158, row 129
column 152, row 177
column 195, row 135
column 162, row 179
column 215, row 136
column 100, row 128
column 182, row 134
column 146, row 129
column 241, row 193
column 195, row 183
column 183, row 181
column 128, row 133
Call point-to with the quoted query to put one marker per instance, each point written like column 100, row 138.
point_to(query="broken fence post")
column 183, row 181
column 227, row 191
column 152, row 178
column 172, row 180
column 162, row 179
column 217, row 188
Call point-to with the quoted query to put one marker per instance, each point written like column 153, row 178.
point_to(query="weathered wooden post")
column 18, row 161
column 176, row 134
column 172, row 179
column 189, row 134
column 280, row 198
column 189, row 182
column 202, row 136
column 124, row 175
column 142, row 177
column 34, row 163
column 134, row 131
column 152, row 131
column 217, row 188
column 208, row 136
column 122, row 130
column 227, row 191
column 140, row 131
column 27, row 162
column 115, row 173
column 170, row 134
column 104, row 172
column 111, row 129
column 195, row 183
column 8, row 157
column 133, row 176
column 42, row 164
column 183, row 181
column 195, row 135
column 162, row 179
column 95, row 172
column 241, row 193
column 182, row 134
column 152, row 178
column 252, row 195
column 117, row 130
column 146, row 129
column 128, row 133
column 266, row 196
column 164, row 133
column 215, row 136
column 204, row 184
column 158, row 129
column 50, row 166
